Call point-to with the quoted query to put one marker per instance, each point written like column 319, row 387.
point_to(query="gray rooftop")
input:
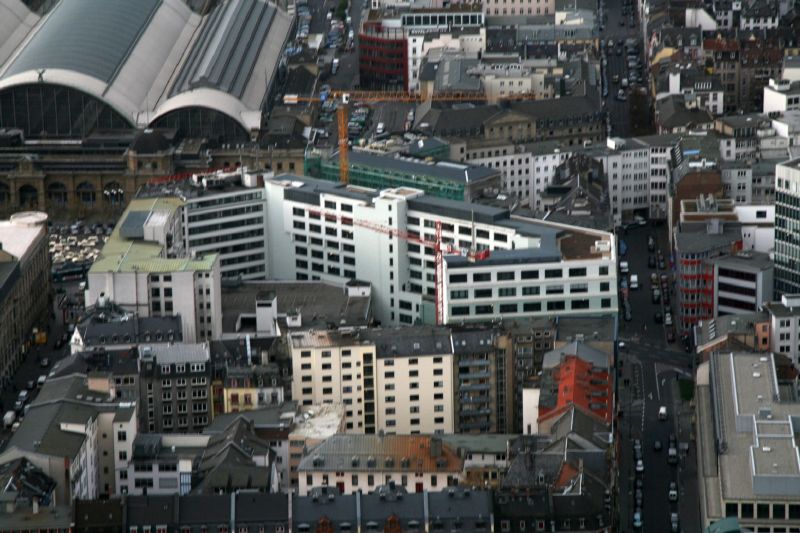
column 750, row 261
column 227, row 64
column 457, row 172
column 265, row 418
column 693, row 237
column 177, row 353
column 319, row 303
column 409, row 342
column 93, row 37
column 753, row 426
column 580, row 349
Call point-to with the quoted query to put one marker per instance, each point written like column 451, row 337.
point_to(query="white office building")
column 143, row 269
column 325, row 231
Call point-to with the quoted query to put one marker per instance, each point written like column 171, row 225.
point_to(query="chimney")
column 436, row 447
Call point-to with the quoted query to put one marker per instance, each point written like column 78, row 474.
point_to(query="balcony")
column 476, row 399
column 476, row 387
column 475, row 412
column 475, row 375
column 473, row 362
column 485, row 426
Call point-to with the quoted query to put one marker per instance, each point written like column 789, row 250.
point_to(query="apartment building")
column 742, row 282
column 787, row 223
column 748, row 465
column 175, row 388
column 144, row 269
column 637, row 171
column 71, row 433
column 784, row 327
column 353, row 463
column 696, row 243
column 527, row 169
column 781, row 96
column 469, row 42
column 329, row 232
column 391, row 381
column 24, row 286
column 704, row 91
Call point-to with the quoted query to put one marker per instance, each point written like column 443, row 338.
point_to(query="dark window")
column 763, row 510
column 508, row 308
column 458, row 278
column 481, row 276
column 484, row 309
column 577, row 272
column 532, row 307
column 530, row 274
column 551, row 273
column 556, row 306
column 483, row 293
column 747, row 510
column 505, row 276
column 732, row 509
column 580, row 304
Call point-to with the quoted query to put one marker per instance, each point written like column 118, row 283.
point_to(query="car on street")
column 621, row 95
column 657, row 445
column 658, row 318
column 634, row 282
column 639, row 466
column 673, row 491
column 651, row 261
column 637, row 519
column 674, row 523
column 656, row 296
column 653, row 280
column 44, row 363
column 615, row 78
column 661, row 264
column 30, row 385
column 662, row 413
column 668, row 318
column 639, row 497
column 670, row 335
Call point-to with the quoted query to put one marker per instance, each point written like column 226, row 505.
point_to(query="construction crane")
column 343, row 99
column 439, row 249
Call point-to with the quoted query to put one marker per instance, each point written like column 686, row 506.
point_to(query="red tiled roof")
column 578, row 382
column 567, row 472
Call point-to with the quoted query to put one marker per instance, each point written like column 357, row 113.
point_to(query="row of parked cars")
column 672, row 489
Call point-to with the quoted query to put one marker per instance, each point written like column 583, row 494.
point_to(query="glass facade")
column 202, row 122
column 55, row 111
column 787, row 243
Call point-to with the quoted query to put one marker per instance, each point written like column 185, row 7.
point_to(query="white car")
column 639, row 466
column 637, row 520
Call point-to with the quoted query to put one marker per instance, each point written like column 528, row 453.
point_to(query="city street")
column 618, row 111
column 30, row 369
column 650, row 366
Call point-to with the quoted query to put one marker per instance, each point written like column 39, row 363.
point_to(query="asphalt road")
column 651, row 365
column 618, row 111
column 30, row 369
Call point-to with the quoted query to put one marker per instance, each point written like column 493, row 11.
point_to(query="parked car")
column 657, row 445
column 44, row 363
column 674, row 523
column 658, row 318
column 637, row 520
column 639, row 466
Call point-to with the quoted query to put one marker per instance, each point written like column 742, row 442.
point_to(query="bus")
column 71, row 272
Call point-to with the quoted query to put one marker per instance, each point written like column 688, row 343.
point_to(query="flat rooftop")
column 396, row 163
column 128, row 254
column 19, row 233
column 759, row 455
column 750, row 261
column 318, row 303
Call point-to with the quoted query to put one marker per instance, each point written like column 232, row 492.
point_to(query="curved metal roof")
column 93, row 37
column 146, row 58
column 16, row 20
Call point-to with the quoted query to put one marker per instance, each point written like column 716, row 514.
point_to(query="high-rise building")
column 787, row 227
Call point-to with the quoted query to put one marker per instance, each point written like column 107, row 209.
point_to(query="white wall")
column 530, row 411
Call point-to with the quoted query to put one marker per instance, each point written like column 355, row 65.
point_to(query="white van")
column 662, row 412
column 634, row 282
column 381, row 128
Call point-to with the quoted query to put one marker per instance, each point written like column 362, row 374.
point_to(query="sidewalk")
column 689, row 498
